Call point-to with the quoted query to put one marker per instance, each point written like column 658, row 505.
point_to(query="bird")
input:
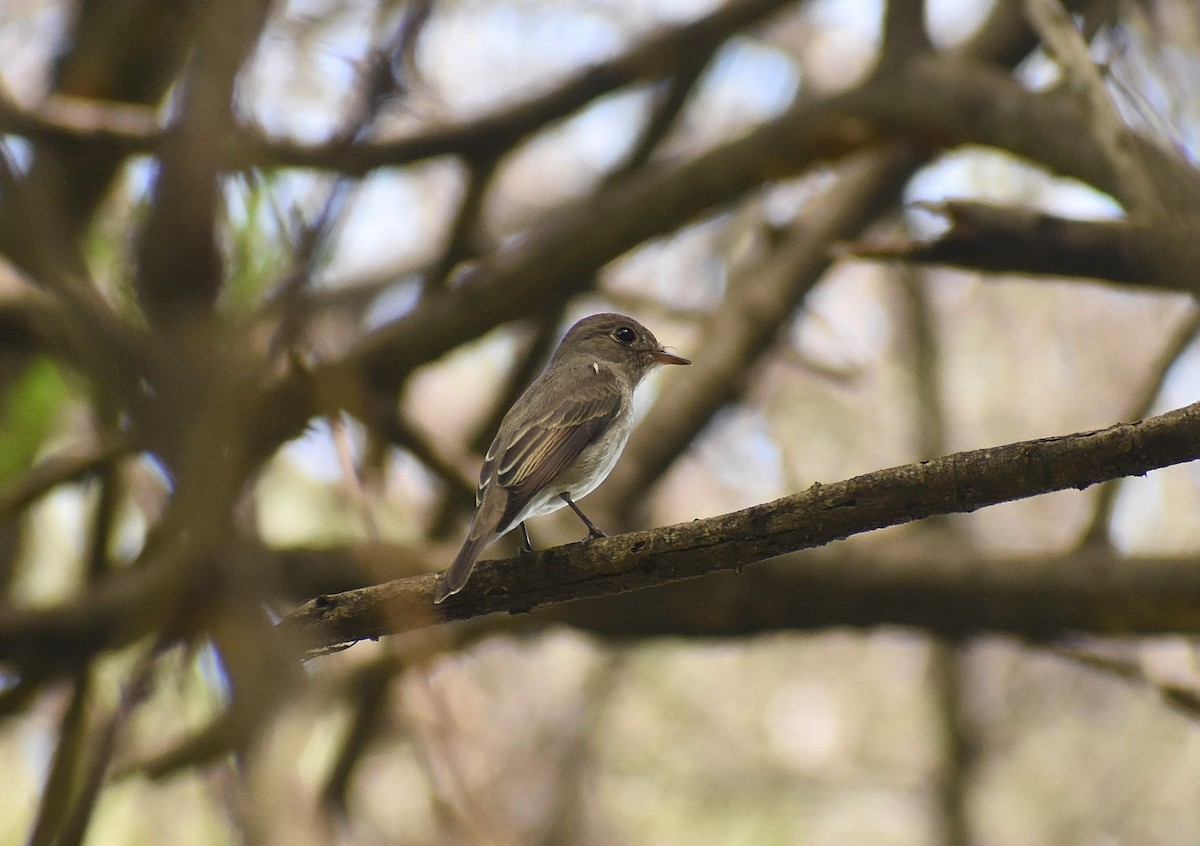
column 562, row 436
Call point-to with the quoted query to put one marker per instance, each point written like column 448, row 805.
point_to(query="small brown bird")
column 563, row 436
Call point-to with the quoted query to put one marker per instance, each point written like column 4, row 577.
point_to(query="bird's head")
column 620, row 341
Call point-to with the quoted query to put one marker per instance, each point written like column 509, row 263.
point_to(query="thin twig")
column 668, row 104
column 657, row 56
column 1185, row 700
column 352, row 478
column 74, row 827
column 1098, row 531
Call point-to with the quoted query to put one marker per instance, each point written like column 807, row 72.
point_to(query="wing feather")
column 542, row 446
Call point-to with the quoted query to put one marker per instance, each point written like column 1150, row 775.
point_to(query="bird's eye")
column 625, row 335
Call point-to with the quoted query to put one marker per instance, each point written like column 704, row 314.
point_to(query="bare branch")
column 462, row 241
column 1007, row 239
column 945, row 592
column 61, row 468
column 129, row 126
column 957, row 483
column 179, row 270
column 64, row 766
column 667, row 107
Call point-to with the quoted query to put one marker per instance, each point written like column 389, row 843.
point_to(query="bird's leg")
column 593, row 532
column 526, row 546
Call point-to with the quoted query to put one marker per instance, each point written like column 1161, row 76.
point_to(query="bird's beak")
column 664, row 357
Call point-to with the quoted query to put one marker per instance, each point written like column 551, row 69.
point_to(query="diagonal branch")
column 1106, row 500
column 957, row 483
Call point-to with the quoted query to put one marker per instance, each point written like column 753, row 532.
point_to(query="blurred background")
column 129, row 365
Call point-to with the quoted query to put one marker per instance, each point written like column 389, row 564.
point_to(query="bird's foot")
column 593, row 531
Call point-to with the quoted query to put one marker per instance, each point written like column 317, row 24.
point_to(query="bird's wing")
column 543, row 446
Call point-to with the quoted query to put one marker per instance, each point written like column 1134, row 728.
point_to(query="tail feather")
column 460, row 570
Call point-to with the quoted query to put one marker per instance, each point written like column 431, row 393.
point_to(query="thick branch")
column 179, row 270
column 1007, row 239
column 947, row 593
column 903, row 33
column 948, row 102
column 956, row 483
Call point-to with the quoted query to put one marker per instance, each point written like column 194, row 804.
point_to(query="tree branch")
column 957, row 483
column 944, row 592
column 1011, row 239
column 904, row 34
column 179, row 271
column 1106, row 499
column 947, row 102
column 659, row 55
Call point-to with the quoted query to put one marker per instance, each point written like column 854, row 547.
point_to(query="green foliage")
column 28, row 412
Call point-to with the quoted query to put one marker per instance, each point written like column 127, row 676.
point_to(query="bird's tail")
column 460, row 570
